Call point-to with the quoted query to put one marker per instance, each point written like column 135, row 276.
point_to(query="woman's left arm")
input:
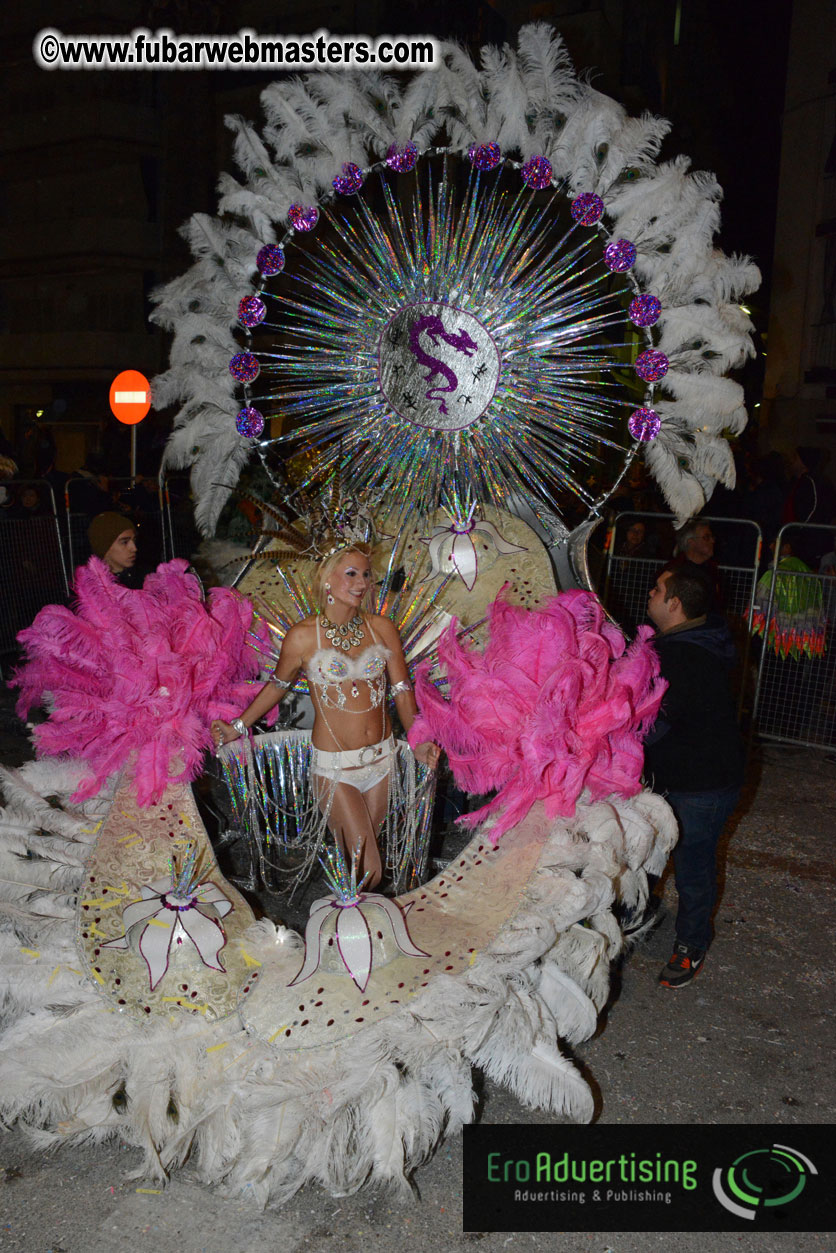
column 428, row 753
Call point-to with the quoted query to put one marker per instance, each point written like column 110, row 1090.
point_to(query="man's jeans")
column 701, row 817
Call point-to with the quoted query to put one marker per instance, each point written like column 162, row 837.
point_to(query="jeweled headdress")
column 322, row 526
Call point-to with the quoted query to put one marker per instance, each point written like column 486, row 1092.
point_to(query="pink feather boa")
column 554, row 705
column 137, row 676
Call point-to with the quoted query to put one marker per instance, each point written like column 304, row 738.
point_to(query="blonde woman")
column 347, row 653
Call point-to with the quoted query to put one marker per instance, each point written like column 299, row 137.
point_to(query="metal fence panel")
column 628, row 578
column 795, row 699
column 32, row 570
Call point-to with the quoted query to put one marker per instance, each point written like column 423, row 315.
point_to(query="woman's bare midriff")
column 350, row 730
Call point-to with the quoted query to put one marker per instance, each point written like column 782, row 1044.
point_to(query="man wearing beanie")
column 113, row 538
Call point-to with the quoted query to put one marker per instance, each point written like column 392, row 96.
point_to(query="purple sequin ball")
column 651, row 365
column 249, row 422
column 644, row 424
column 587, row 208
column 484, row 157
column 350, row 181
column 537, row 173
column 251, row 311
column 244, row 367
column 303, row 218
column 402, row 157
column 270, row 260
column 620, row 255
column 644, row 310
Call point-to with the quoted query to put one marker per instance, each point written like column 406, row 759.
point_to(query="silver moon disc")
column 437, row 365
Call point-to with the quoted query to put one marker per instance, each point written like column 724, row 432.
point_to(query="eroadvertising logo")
column 648, row 1178
column 762, row 1177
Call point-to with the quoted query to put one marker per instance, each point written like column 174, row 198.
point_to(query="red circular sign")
column 130, row 397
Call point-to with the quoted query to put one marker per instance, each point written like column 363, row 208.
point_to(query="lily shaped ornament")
column 452, row 547
column 353, row 932
column 172, row 912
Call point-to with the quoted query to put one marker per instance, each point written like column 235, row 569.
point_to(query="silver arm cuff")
column 237, row 724
column 282, row 683
column 399, row 688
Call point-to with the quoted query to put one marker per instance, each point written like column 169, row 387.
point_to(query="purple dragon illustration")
column 461, row 341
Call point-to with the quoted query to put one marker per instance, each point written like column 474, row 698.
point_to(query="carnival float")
column 448, row 313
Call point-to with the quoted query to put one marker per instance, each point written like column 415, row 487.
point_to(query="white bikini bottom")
column 361, row 768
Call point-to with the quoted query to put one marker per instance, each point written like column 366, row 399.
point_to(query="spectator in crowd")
column 8, row 469
column 635, row 542
column 113, row 538
column 694, row 754
column 694, row 553
column 28, row 503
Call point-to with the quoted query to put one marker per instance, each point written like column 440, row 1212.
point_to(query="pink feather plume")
column 136, row 677
column 555, row 704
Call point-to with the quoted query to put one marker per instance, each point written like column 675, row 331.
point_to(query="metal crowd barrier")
column 628, row 579
column 795, row 697
column 33, row 571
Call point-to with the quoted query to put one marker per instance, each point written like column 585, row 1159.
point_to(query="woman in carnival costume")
column 347, row 653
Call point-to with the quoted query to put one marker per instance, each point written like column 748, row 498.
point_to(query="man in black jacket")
column 694, row 754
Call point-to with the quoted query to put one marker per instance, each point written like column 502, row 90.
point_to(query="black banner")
column 649, row 1178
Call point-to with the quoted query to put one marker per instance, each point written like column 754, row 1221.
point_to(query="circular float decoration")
column 419, row 217
column 402, row 229
column 458, row 356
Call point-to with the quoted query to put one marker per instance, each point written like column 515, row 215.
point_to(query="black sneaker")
column 684, row 964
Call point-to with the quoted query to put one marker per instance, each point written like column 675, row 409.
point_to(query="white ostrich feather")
column 543, row 1079
column 550, row 85
column 718, row 337
column 574, row 1012
column 508, row 99
column 680, row 488
column 703, row 400
column 417, row 120
column 300, row 126
column 365, row 103
column 633, row 148
column 583, row 954
column 578, row 151
column 251, row 155
column 462, row 103
column 655, row 208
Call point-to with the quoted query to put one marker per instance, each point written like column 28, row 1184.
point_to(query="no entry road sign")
column 130, row 397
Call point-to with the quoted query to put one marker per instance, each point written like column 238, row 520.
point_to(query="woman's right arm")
column 282, row 678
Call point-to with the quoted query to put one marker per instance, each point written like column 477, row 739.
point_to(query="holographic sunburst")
column 450, row 334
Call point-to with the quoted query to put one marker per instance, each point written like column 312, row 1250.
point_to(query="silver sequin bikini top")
column 329, row 670
column 327, row 666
